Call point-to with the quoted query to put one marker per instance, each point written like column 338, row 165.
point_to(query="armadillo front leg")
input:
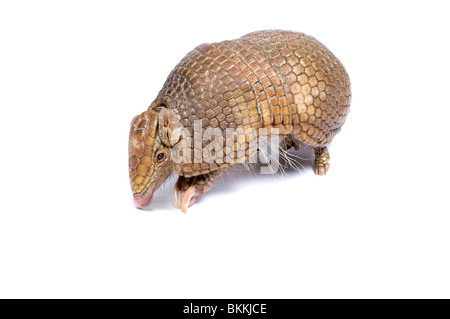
column 322, row 161
column 190, row 188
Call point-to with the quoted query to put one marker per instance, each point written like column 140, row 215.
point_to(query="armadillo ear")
column 169, row 127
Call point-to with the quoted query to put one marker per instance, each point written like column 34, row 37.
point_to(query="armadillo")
column 274, row 79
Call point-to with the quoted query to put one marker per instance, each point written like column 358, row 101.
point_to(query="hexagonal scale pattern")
column 281, row 79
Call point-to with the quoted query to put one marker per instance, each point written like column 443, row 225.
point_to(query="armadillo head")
column 150, row 157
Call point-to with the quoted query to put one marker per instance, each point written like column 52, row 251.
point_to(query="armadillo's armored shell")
column 279, row 79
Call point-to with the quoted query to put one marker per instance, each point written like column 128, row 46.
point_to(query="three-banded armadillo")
column 267, row 79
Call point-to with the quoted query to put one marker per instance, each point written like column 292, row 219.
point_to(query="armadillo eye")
column 160, row 156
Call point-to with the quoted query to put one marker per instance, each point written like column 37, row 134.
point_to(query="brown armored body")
column 267, row 79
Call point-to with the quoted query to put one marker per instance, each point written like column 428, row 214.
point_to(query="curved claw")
column 188, row 198
column 176, row 192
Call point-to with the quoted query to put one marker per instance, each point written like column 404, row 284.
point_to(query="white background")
column 74, row 73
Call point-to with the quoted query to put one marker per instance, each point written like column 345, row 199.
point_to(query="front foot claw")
column 188, row 198
column 189, row 189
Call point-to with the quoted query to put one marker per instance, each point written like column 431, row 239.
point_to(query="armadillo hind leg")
column 288, row 142
column 190, row 188
column 322, row 160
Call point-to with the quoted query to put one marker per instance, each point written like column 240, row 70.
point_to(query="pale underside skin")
column 268, row 79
